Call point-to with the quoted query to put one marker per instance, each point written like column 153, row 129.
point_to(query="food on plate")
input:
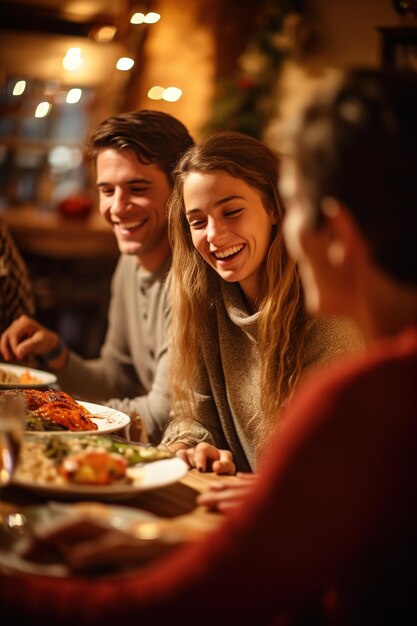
column 10, row 378
column 94, row 467
column 43, row 459
column 56, row 410
column 27, row 379
column 60, row 414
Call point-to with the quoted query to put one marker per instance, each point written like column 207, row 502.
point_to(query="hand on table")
column 223, row 496
column 25, row 337
column 84, row 543
column 207, row 458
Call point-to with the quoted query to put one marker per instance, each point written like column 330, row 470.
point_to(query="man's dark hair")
column 155, row 137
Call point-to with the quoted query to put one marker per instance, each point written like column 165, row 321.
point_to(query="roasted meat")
column 60, row 408
column 73, row 418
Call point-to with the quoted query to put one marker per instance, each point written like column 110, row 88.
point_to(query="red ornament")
column 245, row 84
column 78, row 205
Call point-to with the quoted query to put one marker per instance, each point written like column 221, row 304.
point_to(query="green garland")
column 246, row 101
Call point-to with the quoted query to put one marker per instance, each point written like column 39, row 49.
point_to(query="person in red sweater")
column 327, row 534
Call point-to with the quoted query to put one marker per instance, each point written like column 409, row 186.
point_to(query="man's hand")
column 208, row 458
column 25, row 337
column 223, row 496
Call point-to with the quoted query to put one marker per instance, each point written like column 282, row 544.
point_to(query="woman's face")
column 230, row 227
column 325, row 281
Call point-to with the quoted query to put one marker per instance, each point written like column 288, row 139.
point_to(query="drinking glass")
column 12, row 422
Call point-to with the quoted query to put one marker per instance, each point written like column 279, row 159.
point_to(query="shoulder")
column 384, row 375
column 331, row 337
column 334, row 329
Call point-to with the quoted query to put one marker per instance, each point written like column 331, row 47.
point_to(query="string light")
column 73, row 96
column 105, row 33
column 73, row 60
column 43, row 109
column 137, row 18
column 156, row 92
column 141, row 18
column 19, row 88
column 170, row 94
column 124, row 64
column 152, row 18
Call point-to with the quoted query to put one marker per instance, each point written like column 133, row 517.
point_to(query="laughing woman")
column 241, row 336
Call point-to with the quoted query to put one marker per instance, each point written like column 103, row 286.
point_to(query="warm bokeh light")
column 156, row 92
column 152, row 18
column 65, row 158
column 19, row 88
column 172, row 94
column 141, row 18
column 137, row 18
column 73, row 96
column 105, row 33
column 73, row 60
column 124, row 64
column 43, row 109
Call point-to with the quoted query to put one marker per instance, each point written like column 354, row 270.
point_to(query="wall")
column 178, row 52
column 349, row 30
column 196, row 43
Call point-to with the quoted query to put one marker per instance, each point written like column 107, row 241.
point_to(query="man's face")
column 133, row 198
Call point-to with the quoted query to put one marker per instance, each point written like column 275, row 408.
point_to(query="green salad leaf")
column 59, row 447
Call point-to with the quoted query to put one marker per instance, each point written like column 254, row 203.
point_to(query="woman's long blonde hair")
column 195, row 285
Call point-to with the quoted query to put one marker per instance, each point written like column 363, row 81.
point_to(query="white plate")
column 109, row 421
column 145, row 477
column 46, row 377
column 120, row 517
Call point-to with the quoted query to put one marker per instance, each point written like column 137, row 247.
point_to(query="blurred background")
column 214, row 64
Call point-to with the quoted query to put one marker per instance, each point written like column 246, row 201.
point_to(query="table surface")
column 176, row 502
column 174, row 505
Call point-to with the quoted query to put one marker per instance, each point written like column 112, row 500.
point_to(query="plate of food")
column 44, row 533
column 99, row 467
column 56, row 412
column 21, row 377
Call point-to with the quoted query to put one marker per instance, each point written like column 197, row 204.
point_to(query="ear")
column 341, row 230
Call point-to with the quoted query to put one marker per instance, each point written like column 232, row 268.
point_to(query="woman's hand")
column 208, row 458
column 223, row 496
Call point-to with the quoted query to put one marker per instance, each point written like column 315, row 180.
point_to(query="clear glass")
column 12, row 424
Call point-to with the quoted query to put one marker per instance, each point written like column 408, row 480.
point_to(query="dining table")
column 163, row 491
column 172, row 506
column 174, row 501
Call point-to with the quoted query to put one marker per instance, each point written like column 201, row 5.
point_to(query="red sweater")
column 334, row 510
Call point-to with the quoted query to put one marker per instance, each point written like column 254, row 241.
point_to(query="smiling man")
column 134, row 154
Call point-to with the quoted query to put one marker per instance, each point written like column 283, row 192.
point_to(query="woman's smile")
column 230, row 226
column 227, row 254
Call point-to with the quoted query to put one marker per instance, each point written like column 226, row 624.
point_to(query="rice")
column 8, row 377
column 35, row 466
